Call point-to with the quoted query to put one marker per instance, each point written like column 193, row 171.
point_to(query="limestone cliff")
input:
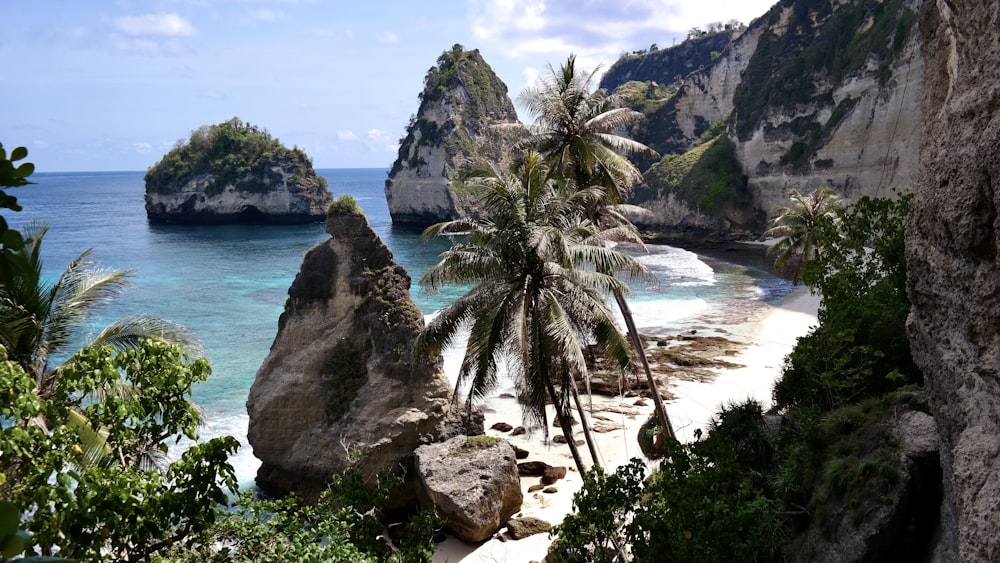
column 234, row 172
column 811, row 94
column 461, row 106
column 338, row 382
column 831, row 97
column 953, row 260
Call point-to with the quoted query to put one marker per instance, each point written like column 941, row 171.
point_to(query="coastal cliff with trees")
column 881, row 443
column 234, row 172
column 464, row 114
column 808, row 95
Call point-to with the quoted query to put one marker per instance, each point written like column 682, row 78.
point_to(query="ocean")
column 228, row 283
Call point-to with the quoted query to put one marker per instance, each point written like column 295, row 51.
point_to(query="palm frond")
column 130, row 331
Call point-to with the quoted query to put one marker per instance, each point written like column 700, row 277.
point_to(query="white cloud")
column 599, row 29
column 166, row 24
column 142, row 147
column 39, row 144
column 381, row 141
column 388, row 37
column 347, row 136
column 215, row 95
column 267, row 15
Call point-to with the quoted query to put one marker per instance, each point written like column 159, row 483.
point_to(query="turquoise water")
column 228, row 283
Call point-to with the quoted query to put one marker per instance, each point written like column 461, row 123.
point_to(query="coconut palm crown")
column 537, row 295
column 578, row 128
column 796, row 226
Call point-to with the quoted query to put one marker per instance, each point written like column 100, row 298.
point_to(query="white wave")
column 676, row 266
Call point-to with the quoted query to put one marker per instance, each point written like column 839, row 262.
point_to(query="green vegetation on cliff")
column 463, row 83
column 668, row 66
column 232, row 153
column 822, row 43
column 708, row 177
column 824, row 462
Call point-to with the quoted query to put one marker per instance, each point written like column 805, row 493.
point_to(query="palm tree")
column 533, row 306
column 40, row 320
column 577, row 130
column 797, row 226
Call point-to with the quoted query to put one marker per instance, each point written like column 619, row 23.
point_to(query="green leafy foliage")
column 113, row 508
column 707, row 501
column 860, row 348
column 345, row 525
column 11, row 176
column 230, row 153
column 748, row 489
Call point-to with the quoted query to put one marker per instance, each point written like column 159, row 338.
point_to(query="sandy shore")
column 620, row 419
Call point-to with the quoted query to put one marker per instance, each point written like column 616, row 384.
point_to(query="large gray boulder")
column 338, row 387
column 953, row 258
column 472, row 483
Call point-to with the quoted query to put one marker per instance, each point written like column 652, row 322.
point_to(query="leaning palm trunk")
column 633, row 334
column 566, row 423
column 591, row 442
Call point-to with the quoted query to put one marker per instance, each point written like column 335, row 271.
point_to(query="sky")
column 114, row 84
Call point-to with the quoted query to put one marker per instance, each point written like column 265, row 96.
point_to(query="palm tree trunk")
column 591, row 443
column 633, row 334
column 565, row 422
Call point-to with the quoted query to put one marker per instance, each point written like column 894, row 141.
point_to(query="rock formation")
column 953, row 258
column 234, row 172
column 461, row 106
column 899, row 525
column 812, row 94
column 472, row 483
column 338, row 386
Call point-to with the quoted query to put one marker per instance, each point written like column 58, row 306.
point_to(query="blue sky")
column 112, row 85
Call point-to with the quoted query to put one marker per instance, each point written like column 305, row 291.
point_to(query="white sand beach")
column 761, row 361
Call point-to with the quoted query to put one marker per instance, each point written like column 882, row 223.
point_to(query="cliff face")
column 953, row 259
column 288, row 195
column 234, row 172
column 831, row 98
column 339, row 383
column 811, row 94
column 461, row 103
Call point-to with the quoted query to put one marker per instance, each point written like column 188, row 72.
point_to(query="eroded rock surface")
column 953, row 259
column 338, row 383
column 462, row 103
column 473, row 485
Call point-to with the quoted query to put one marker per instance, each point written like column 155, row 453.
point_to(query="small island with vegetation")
column 235, row 172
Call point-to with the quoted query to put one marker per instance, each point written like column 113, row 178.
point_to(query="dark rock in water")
column 520, row 528
column 338, row 387
column 474, row 488
column 518, row 431
column 953, row 263
column 502, row 427
column 234, row 172
column 519, row 453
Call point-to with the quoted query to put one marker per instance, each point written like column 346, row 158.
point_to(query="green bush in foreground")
column 65, row 461
column 346, row 525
